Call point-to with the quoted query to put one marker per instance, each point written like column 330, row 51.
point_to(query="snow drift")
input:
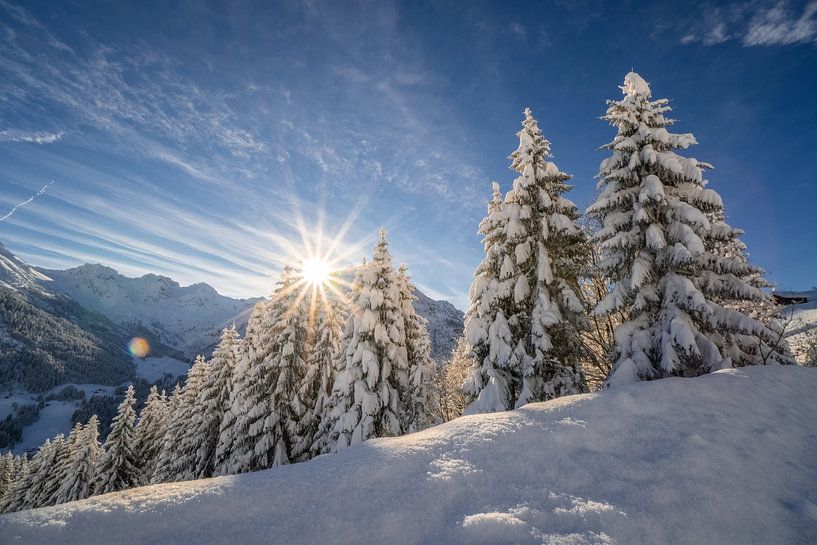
column 726, row 458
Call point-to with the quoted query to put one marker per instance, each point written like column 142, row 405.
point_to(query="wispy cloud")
column 519, row 30
column 781, row 26
column 752, row 23
column 12, row 135
column 228, row 162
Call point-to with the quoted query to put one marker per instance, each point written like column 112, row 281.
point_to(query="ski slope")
column 728, row 458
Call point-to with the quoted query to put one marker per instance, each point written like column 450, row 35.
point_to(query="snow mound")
column 725, row 458
column 635, row 85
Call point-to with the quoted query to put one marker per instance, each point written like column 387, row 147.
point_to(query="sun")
column 316, row 271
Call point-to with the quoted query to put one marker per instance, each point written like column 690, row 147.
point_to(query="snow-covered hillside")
column 15, row 273
column 727, row 458
column 444, row 324
column 188, row 318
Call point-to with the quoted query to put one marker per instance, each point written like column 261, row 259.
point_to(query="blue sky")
column 214, row 142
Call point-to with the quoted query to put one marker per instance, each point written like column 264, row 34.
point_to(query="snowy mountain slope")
column 47, row 338
column 444, row 324
column 727, row 458
column 188, row 318
column 16, row 274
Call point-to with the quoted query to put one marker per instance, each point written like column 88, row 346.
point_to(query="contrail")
column 34, row 196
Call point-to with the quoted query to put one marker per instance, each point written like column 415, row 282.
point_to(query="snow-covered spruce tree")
column 117, row 467
column 44, row 484
column 230, row 439
column 768, row 345
column 22, row 495
column 161, row 466
column 488, row 385
column 658, row 238
column 365, row 400
column 14, row 498
column 322, row 367
column 542, row 258
column 421, row 401
column 269, row 406
column 63, row 464
column 214, row 401
column 150, row 432
column 177, row 461
column 6, row 472
column 80, row 470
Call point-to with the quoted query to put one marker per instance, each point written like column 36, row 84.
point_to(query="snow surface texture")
column 726, row 458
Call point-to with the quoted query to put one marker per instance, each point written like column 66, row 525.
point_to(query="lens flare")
column 139, row 347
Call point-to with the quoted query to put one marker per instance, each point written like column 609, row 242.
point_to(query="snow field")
column 724, row 458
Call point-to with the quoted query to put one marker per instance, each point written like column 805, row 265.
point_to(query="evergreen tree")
column 765, row 346
column 63, row 465
column 487, row 386
column 213, row 401
column 177, row 461
column 80, row 469
column 421, row 402
column 321, row 369
column 6, row 472
column 658, row 237
column 525, row 297
column 230, row 435
column 23, row 495
column 150, row 432
column 269, row 405
column 549, row 253
column 366, row 399
column 118, row 467
column 45, row 484
column 163, row 470
column 14, row 498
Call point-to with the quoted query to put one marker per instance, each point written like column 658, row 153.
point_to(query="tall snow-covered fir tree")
column 6, row 472
column 177, row 460
column 768, row 345
column 20, row 480
column 660, row 229
column 365, row 400
column 421, row 402
column 230, row 435
column 540, row 259
column 45, row 484
column 214, row 401
column 321, row 369
column 79, row 469
column 64, row 463
column 268, row 404
column 150, row 432
column 117, row 467
column 487, row 386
